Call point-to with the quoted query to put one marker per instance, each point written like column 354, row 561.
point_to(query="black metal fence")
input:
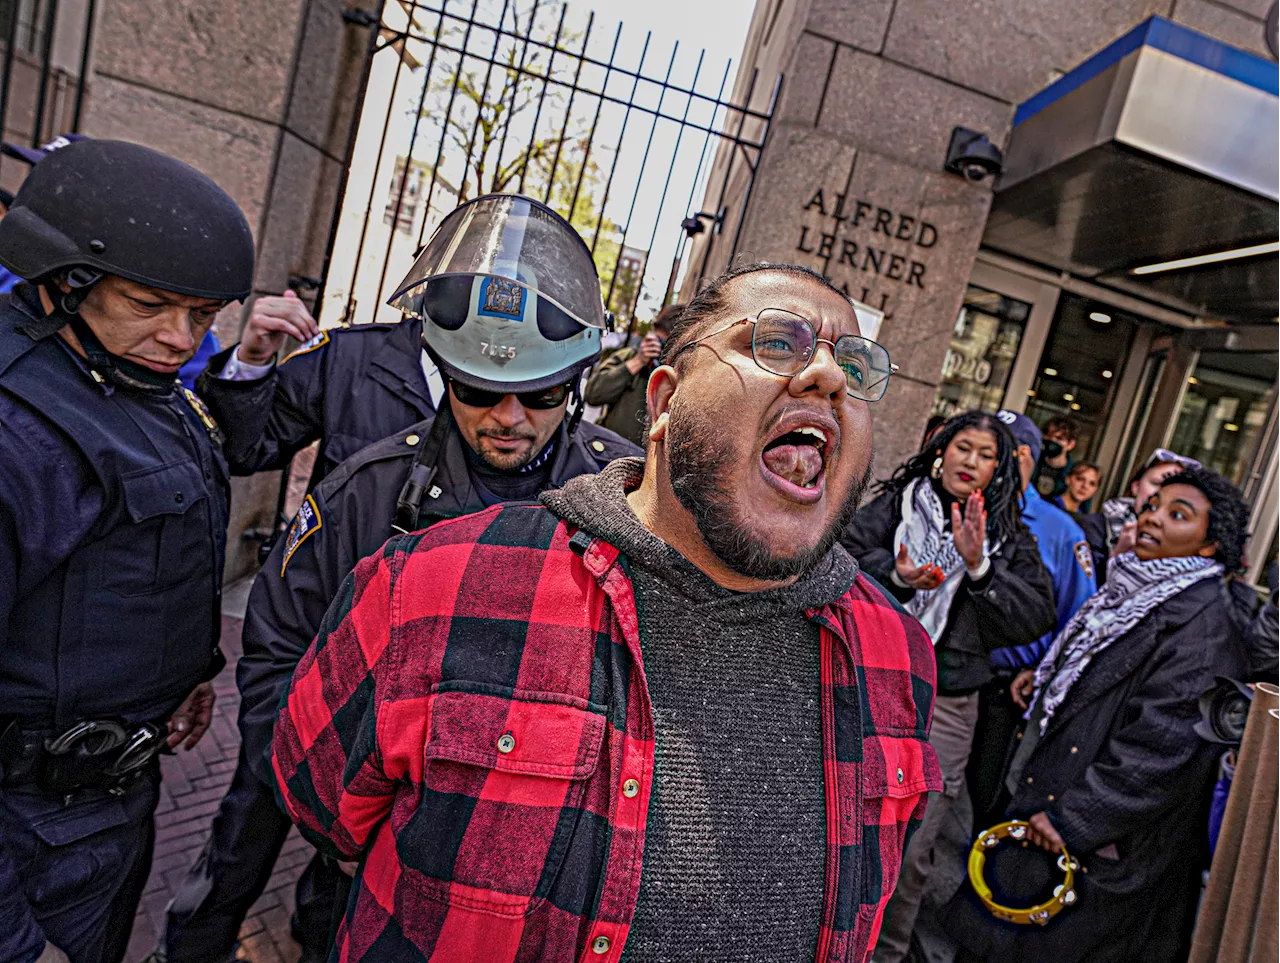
column 45, row 62
column 467, row 98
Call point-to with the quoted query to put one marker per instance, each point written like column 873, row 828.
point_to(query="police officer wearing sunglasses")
column 508, row 303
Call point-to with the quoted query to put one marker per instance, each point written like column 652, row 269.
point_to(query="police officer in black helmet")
column 113, row 514
column 506, row 301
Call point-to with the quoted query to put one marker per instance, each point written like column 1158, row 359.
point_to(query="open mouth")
column 794, row 462
column 1146, row 538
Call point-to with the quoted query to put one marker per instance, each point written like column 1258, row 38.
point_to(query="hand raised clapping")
column 970, row 531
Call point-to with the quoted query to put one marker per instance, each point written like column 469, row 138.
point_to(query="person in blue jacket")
column 1065, row 553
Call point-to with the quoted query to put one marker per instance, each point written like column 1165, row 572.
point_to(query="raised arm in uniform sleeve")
column 270, row 419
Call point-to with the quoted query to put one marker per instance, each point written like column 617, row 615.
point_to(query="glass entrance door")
column 1224, row 410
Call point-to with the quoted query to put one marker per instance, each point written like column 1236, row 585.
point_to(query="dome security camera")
column 972, row 155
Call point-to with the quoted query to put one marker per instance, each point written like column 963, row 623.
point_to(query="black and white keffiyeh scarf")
column 1133, row 588
column 923, row 530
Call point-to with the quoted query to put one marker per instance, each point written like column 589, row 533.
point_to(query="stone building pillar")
column 851, row 179
column 259, row 95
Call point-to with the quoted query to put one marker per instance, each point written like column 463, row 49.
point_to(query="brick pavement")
column 193, row 784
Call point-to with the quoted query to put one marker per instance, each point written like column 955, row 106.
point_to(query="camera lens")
column 1224, row 712
column 974, row 172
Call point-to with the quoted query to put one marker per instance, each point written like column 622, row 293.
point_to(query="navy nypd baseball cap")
column 1023, row 429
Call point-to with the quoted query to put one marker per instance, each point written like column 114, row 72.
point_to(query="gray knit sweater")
column 734, row 856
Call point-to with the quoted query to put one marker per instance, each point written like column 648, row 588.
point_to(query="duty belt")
column 100, row 754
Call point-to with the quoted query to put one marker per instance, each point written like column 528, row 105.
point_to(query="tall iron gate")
column 45, row 61
column 528, row 96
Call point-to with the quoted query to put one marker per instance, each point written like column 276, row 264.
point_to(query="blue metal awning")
column 1163, row 145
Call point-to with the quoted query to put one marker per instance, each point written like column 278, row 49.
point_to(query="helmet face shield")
column 508, row 296
column 512, row 237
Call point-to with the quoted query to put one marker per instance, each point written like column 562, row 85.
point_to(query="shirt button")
column 1052, row 797
column 1074, row 750
column 599, row 446
column 600, row 945
column 412, row 440
column 506, row 742
column 630, row 788
column 1030, row 780
column 900, row 777
column 177, row 497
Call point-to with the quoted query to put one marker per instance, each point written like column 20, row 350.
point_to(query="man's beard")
column 506, row 461
column 699, row 457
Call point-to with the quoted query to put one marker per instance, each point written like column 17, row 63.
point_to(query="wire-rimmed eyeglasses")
column 784, row 344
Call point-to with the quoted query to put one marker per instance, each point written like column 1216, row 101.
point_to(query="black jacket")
column 348, row 516
column 1011, row 605
column 348, row 387
column 1120, row 766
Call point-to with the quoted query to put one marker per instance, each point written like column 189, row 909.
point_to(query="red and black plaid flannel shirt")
column 473, row 723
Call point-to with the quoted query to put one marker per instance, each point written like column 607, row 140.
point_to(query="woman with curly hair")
column 945, row 537
column 1109, row 765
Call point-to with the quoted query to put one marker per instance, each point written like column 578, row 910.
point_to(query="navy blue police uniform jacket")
column 113, row 519
column 347, row 387
column 347, row 516
column 1069, row 561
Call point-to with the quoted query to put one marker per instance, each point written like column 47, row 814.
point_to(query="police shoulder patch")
column 1084, row 556
column 305, row 524
column 319, row 341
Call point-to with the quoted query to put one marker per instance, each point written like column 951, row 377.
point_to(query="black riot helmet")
column 113, row 207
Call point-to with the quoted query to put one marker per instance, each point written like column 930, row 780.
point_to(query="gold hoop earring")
column 936, row 471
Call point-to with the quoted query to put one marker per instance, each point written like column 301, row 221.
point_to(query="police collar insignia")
column 319, row 341
column 306, row 524
column 202, row 412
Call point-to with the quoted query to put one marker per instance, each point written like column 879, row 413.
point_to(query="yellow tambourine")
column 1064, row 894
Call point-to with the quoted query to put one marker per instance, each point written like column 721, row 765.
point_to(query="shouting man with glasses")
column 662, row 716
column 508, row 303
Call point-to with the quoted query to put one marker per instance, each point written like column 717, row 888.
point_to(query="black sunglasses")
column 543, row 400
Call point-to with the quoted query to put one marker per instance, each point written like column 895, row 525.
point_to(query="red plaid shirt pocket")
column 505, row 775
column 897, row 773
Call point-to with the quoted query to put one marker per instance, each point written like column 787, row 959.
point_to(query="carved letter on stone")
column 927, row 229
column 800, row 244
column 861, row 211
column 848, row 254
column 873, row 256
column 916, row 275
column 817, row 201
column 883, row 220
column 824, row 248
column 905, row 224
column 896, row 263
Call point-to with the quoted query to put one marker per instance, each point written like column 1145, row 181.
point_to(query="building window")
column 408, row 213
column 984, row 343
column 1224, row 410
